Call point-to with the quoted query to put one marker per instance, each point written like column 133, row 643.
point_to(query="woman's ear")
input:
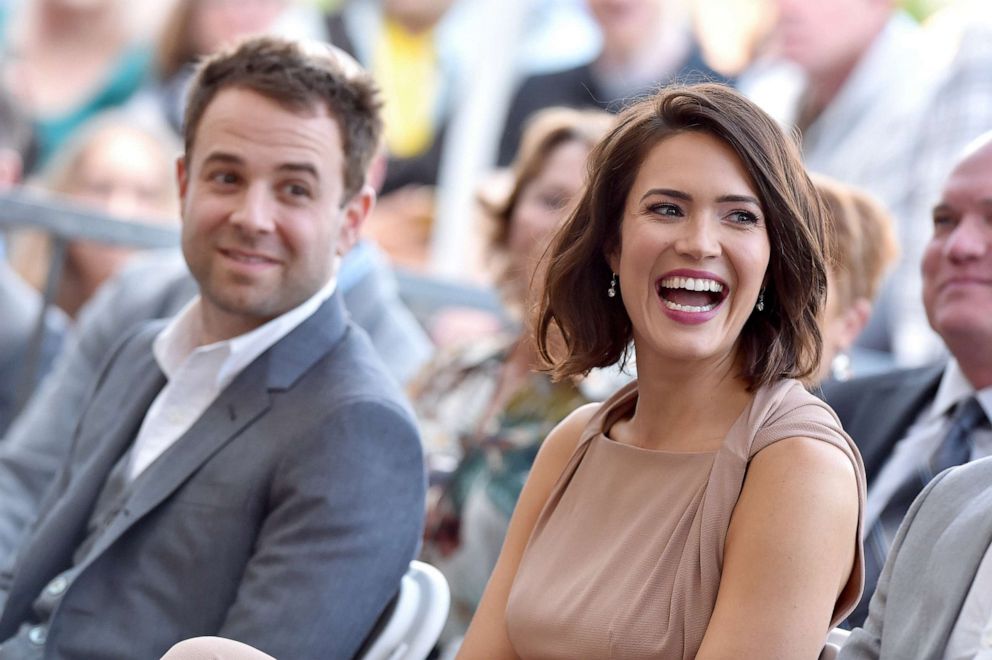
column 613, row 258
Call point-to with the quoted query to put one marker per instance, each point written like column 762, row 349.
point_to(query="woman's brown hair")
column 580, row 328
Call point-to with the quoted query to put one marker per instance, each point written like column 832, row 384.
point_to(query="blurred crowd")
column 884, row 96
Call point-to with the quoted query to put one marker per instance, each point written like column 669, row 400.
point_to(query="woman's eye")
column 670, row 210
column 744, row 218
column 553, row 202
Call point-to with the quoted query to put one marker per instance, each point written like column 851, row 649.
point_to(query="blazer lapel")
column 235, row 409
column 899, row 404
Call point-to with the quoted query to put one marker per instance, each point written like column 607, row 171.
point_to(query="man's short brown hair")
column 297, row 76
column 580, row 328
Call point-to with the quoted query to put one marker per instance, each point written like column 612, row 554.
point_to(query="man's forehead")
column 243, row 127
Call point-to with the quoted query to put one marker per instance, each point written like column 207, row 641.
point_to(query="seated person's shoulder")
column 801, row 433
column 965, row 482
column 564, row 438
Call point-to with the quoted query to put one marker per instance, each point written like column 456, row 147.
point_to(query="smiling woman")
column 710, row 509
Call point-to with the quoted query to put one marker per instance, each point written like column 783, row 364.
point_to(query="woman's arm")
column 486, row 636
column 789, row 552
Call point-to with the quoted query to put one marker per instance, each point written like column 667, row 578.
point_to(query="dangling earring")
column 761, row 300
column 612, row 291
column 840, row 366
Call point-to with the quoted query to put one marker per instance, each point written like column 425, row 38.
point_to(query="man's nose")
column 254, row 210
column 971, row 238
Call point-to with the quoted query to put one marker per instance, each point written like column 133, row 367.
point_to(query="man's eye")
column 224, row 178
column 296, row 190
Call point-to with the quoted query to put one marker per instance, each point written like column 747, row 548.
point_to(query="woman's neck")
column 685, row 406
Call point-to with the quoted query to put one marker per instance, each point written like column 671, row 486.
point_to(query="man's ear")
column 354, row 213
column 182, row 179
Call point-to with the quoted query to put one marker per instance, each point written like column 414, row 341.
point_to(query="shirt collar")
column 955, row 388
column 179, row 339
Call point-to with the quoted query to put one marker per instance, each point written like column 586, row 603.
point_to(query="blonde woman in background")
column 483, row 402
column 119, row 166
column 67, row 61
column 863, row 246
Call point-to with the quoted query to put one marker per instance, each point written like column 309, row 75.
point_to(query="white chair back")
column 417, row 618
column 835, row 640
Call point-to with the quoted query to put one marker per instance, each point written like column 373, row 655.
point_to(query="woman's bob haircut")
column 580, row 328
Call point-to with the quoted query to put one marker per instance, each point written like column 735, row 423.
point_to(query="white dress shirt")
column 925, row 435
column 971, row 638
column 197, row 373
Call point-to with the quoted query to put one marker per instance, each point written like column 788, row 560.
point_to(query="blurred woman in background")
column 66, row 61
column 196, row 28
column 482, row 404
column 862, row 248
column 114, row 164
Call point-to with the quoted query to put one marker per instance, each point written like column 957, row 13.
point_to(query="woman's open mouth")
column 691, row 294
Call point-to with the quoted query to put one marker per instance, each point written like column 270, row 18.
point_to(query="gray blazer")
column 877, row 411
column 284, row 518
column 930, row 568
column 20, row 307
column 157, row 286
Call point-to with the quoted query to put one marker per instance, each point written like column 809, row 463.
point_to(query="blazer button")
column 38, row 635
column 57, row 586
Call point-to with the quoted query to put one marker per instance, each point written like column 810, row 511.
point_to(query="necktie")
column 954, row 449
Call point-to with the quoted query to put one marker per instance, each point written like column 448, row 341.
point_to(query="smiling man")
column 911, row 425
column 249, row 469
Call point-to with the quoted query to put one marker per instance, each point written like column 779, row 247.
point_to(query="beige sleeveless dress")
column 625, row 558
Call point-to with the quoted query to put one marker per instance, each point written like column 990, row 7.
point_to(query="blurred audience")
column 22, row 362
column 912, row 424
column 407, row 47
column 872, row 83
column 863, row 245
column 66, row 61
column 645, row 44
column 114, row 164
column 193, row 29
column 483, row 403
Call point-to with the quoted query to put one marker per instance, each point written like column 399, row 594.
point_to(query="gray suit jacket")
column 930, row 568
column 20, row 307
column 877, row 411
column 284, row 518
column 36, row 446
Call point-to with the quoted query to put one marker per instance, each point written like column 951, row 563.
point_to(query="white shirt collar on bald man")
column 955, row 388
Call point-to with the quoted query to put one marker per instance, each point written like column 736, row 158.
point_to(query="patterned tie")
column 954, row 449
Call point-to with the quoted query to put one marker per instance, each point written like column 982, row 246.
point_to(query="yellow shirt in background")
column 405, row 66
